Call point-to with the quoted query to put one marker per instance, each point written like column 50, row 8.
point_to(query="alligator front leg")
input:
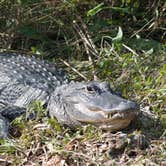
column 4, row 126
column 7, row 114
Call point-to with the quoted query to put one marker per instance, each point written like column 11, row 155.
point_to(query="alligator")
column 24, row 79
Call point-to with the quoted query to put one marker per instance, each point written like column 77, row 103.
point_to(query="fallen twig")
column 75, row 70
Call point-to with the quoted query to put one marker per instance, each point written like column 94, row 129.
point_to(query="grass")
column 121, row 42
column 44, row 141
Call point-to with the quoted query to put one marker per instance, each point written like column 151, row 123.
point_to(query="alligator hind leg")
column 12, row 112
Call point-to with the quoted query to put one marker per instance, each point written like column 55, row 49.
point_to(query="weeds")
column 119, row 41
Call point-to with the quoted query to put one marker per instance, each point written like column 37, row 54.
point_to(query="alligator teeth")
column 117, row 115
column 109, row 116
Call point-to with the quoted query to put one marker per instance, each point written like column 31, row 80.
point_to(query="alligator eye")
column 90, row 89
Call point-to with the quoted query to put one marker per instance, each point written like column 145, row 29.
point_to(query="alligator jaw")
column 119, row 120
column 115, row 125
column 112, row 121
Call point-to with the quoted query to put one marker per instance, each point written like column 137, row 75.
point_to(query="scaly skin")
column 26, row 79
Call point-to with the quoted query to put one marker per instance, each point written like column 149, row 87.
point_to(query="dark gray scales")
column 31, row 71
column 24, row 79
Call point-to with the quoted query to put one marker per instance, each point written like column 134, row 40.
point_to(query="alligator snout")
column 127, row 106
column 123, row 109
column 117, row 113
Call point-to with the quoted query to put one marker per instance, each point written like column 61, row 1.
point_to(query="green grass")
column 43, row 139
column 126, row 47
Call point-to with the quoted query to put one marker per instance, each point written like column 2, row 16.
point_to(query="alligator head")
column 91, row 103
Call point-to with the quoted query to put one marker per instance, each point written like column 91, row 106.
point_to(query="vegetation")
column 119, row 41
